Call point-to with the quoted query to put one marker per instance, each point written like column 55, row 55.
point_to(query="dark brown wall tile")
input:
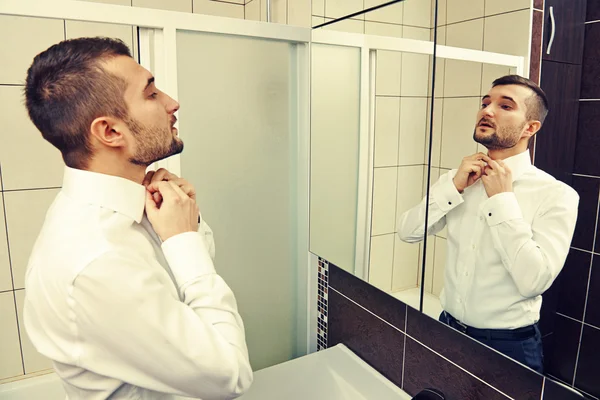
column 376, row 342
column 561, row 357
column 536, row 46
column 539, row 4
column 557, row 391
column 588, row 365
column 499, row 371
column 573, row 281
column 590, row 84
column 587, row 161
column 368, row 296
column 592, row 313
column 593, row 10
column 425, row 369
column 588, row 189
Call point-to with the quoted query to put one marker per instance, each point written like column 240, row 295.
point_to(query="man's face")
column 151, row 114
column 501, row 120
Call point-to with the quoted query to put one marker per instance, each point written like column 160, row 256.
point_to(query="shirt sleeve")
column 133, row 328
column 533, row 254
column 443, row 198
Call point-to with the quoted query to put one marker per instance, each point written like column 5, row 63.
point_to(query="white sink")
column 332, row 374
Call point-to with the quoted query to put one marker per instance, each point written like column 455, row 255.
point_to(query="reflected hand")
column 470, row 170
column 163, row 175
column 497, row 177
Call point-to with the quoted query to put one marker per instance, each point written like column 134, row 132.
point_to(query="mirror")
column 446, row 272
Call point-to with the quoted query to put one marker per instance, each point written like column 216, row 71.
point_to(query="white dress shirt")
column 123, row 315
column 503, row 252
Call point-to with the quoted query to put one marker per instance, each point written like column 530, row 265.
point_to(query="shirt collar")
column 115, row 193
column 518, row 164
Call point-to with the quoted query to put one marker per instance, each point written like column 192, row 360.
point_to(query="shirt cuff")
column 501, row 208
column 188, row 257
column 446, row 196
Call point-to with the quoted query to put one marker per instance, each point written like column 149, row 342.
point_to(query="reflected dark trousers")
column 523, row 344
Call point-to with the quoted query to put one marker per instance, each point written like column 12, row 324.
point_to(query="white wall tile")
column 28, row 37
column 440, row 73
column 347, row 25
column 490, row 74
column 113, row 2
column 316, row 20
column 441, row 39
column 34, row 361
column 384, row 200
column 43, row 165
column 381, row 262
column 439, row 265
column 77, row 29
column 390, row 14
column 462, row 78
column 5, row 277
column 413, row 123
column 318, row 7
column 442, row 6
column 171, row 5
column 410, row 188
column 457, row 130
column 468, row 34
column 415, row 74
column 299, row 13
column 219, row 9
column 406, row 265
column 417, row 13
column 411, row 32
column 25, row 214
column 438, row 112
column 508, row 33
column 10, row 362
column 387, row 128
column 481, row 149
column 381, row 29
column 496, row 7
column 462, row 10
column 253, row 10
column 278, row 11
column 389, row 73
column 340, row 8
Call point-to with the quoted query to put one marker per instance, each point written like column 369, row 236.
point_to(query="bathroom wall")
column 416, row 352
column 573, row 344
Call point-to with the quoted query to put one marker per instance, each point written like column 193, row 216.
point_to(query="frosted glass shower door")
column 237, row 97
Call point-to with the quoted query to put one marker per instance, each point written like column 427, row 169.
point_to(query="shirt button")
column 490, row 214
column 449, row 203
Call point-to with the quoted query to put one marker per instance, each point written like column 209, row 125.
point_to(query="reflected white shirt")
column 503, row 252
column 120, row 313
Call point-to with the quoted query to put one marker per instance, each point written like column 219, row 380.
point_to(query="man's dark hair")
column 537, row 104
column 67, row 88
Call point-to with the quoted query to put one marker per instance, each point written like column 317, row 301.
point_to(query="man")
column 122, row 294
column 510, row 226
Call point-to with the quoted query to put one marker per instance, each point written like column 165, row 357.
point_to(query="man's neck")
column 502, row 154
column 117, row 167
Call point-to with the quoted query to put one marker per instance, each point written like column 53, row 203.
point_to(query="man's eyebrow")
column 487, row 96
column 509, row 98
column 150, row 82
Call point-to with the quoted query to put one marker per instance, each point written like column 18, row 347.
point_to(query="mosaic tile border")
column 322, row 306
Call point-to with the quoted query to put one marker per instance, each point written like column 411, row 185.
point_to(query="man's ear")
column 109, row 131
column 531, row 128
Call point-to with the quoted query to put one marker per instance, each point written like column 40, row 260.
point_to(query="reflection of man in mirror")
column 510, row 226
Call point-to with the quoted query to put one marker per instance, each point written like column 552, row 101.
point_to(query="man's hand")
column 470, row 170
column 177, row 212
column 497, row 177
column 163, row 175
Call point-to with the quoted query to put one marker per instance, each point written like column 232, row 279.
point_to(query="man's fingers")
column 177, row 190
column 148, row 178
column 165, row 190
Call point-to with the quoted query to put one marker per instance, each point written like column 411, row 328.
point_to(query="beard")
column 504, row 137
column 151, row 143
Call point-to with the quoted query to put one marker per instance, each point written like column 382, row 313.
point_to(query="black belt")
column 493, row 334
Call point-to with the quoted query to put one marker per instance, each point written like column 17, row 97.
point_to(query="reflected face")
column 501, row 120
column 151, row 115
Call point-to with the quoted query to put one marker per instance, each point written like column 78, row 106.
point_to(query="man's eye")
column 506, row 107
column 483, row 105
column 153, row 95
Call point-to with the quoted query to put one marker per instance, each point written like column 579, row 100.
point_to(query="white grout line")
column 543, row 388
column 571, row 318
column 578, row 249
column 592, row 22
column 427, row 347
column 587, row 176
column 589, row 99
column 587, row 293
column 404, row 349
